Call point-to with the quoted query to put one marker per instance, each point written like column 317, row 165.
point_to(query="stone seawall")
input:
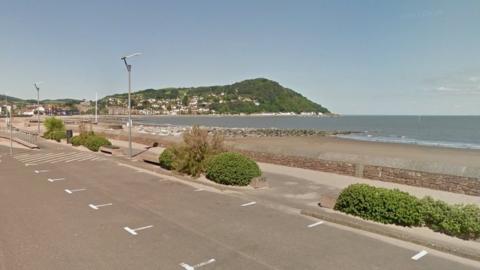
column 451, row 183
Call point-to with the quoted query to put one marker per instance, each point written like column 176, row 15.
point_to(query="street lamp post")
column 96, row 105
column 129, row 70
column 38, row 105
column 11, row 130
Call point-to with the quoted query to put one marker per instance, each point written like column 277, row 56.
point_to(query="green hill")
column 249, row 96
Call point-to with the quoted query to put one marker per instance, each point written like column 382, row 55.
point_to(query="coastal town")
column 240, row 135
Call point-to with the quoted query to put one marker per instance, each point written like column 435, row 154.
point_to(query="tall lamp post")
column 38, row 105
column 129, row 70
column 9, row 121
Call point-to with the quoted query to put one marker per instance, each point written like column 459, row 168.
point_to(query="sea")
column 441, row 131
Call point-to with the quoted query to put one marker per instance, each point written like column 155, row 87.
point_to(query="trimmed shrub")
column 167, row 158
column 232, row 169
column 400, row 208
column 80, row 139
column 380, row 204
column 77, row 140
column 94, row 142
column 56, row 135
column 462, row 221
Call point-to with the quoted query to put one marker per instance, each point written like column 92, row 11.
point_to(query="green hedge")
column 90, row 140
column 166, row 159
column 231, row 168
column 380, row 204
column 77, row 140
column 80, row 139
column 94, row 142
column 462, row 221
column 56, row 135
column 400, row 208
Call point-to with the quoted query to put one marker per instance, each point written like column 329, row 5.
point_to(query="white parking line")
column 86, row 158
column 40, row 157
column 40, row 171
column 190, row 267
column 55, row 179
column 53, row 159
column 70, row 191
column 248, row 204
column 78, row 158
column 22, row 155
column 99, row 205
column 26, row 158
column 419, row 255
column 63, row 158
column 315, row 224
column 134, row 231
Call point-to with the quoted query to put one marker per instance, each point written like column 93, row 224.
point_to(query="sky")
column 354, row 57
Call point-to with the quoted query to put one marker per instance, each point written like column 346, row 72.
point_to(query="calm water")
column 448, row 131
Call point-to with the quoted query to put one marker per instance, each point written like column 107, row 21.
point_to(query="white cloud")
column 455, row 84
column 446, row 89
column 474, row 79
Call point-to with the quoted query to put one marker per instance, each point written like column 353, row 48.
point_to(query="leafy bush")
column 232, row 169
column 77, row 140
column 380, row 204
column 197, row 147
column 81, row 138
column 167, row 158
column 55, row 129
column 52, row 124
column 56, row 135
column 462, row 221
column 94, row 142
column 397, row 207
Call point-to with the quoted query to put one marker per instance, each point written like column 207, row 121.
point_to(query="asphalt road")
column 48, row 224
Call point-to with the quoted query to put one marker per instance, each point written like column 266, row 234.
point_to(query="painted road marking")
column 29, row 164
column 70, row 191
column 199, row 189
column 55, row 179
column 40, row 171
column 86, row 158
column 62, row 158
column 78, row 158
column 419, row 255
column 39, row 157
column 21, row 155
column 26, row 158
column 134, row 231
column 45, row 159
column 248, row 204
column 315, row 224
column 190, row 267
column 99, row 205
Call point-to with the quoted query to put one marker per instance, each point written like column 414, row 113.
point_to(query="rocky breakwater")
column 272, row 132
column 237, row 132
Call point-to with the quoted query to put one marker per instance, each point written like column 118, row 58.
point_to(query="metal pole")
column 96, row 105
column 129, row 68
column 11, row 144
column 38, row 110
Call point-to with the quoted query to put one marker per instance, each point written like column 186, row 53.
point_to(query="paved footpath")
column 92, row 213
